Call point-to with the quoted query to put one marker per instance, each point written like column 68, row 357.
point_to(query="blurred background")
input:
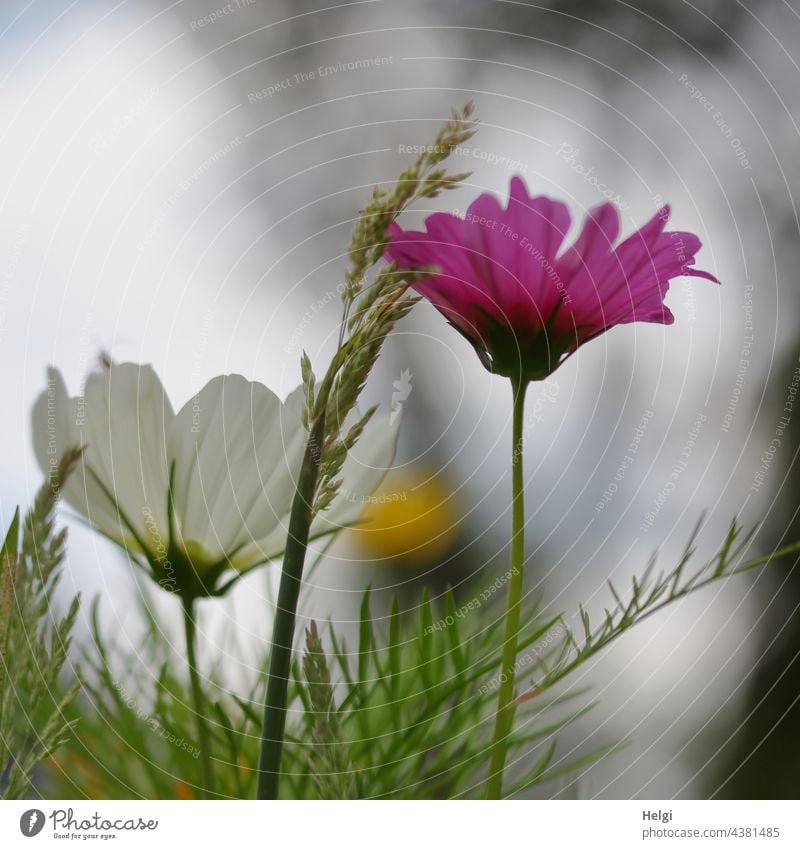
column 178, row 185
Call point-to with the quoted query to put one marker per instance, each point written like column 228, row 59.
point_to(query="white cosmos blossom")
column 201, row 491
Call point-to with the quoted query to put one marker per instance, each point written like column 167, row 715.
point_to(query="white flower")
column 201, row 491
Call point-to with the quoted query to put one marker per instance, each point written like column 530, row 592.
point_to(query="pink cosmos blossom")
column 526, row 303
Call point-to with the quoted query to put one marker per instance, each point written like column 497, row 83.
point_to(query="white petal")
column 56, row 426
column 127, row 415
column 295, row 402
column 54, row 431
column 237, row 451
column 51, row 423
column 60, row 422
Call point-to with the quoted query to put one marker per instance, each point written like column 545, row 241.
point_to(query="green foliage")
column 416, row 733
column 133, row 730
column 406, row 712
column 419, row 695
column 34, row 642
column 419, row 700
column 650, row 594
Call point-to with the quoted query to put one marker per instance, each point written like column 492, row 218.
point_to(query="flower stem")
column 504, row 718
column 280, row 660
column 203, row 736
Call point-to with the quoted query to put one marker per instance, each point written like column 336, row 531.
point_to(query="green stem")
column 280, row 661
column 203, row 735
column 505, row 700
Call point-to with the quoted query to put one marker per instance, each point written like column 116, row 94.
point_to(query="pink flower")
column 524, row 303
